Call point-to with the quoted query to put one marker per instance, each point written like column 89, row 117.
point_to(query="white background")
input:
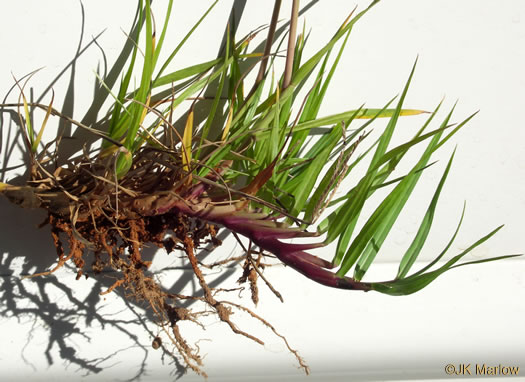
column 471, row 51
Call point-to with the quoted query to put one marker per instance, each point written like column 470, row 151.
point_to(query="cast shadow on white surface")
column 67, row 310
column 26, row 250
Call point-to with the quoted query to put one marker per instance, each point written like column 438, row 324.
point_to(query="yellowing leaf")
column 28, row 122
column 387, row 113
column 228, row 124
column 347, row 19
column 44, row 123
column 106, row 152
column 186, row 142
column 145, row 110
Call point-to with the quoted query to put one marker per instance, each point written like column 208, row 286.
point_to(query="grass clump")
column 269, row 171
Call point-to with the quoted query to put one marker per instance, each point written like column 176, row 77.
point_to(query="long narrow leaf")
column 415, row 247
column 369, row 240
column 352, row 209
column 417, row 282
column 181, row 44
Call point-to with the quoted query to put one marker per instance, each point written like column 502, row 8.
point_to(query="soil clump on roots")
column 108, row 221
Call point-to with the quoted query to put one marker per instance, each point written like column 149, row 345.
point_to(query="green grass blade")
column 116, row 129
column 182, row 74
column 455, row 130
column 418, row 281
column 311, row 173
column 272, row 145
column 415, row 247
column 336, row 118
column 372, row 235
column 369, row 241
column 206, row 129
column 298, row 79
column 211, row 116
column 447, row 247
column 352, row 209
column 487, row 260
column 158, row 47
column 181, row 44
column 387, row 135
column 142, row 94
column 199, row 84
column 393, row 157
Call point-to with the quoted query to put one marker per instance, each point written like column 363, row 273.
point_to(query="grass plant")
column 271, row 171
